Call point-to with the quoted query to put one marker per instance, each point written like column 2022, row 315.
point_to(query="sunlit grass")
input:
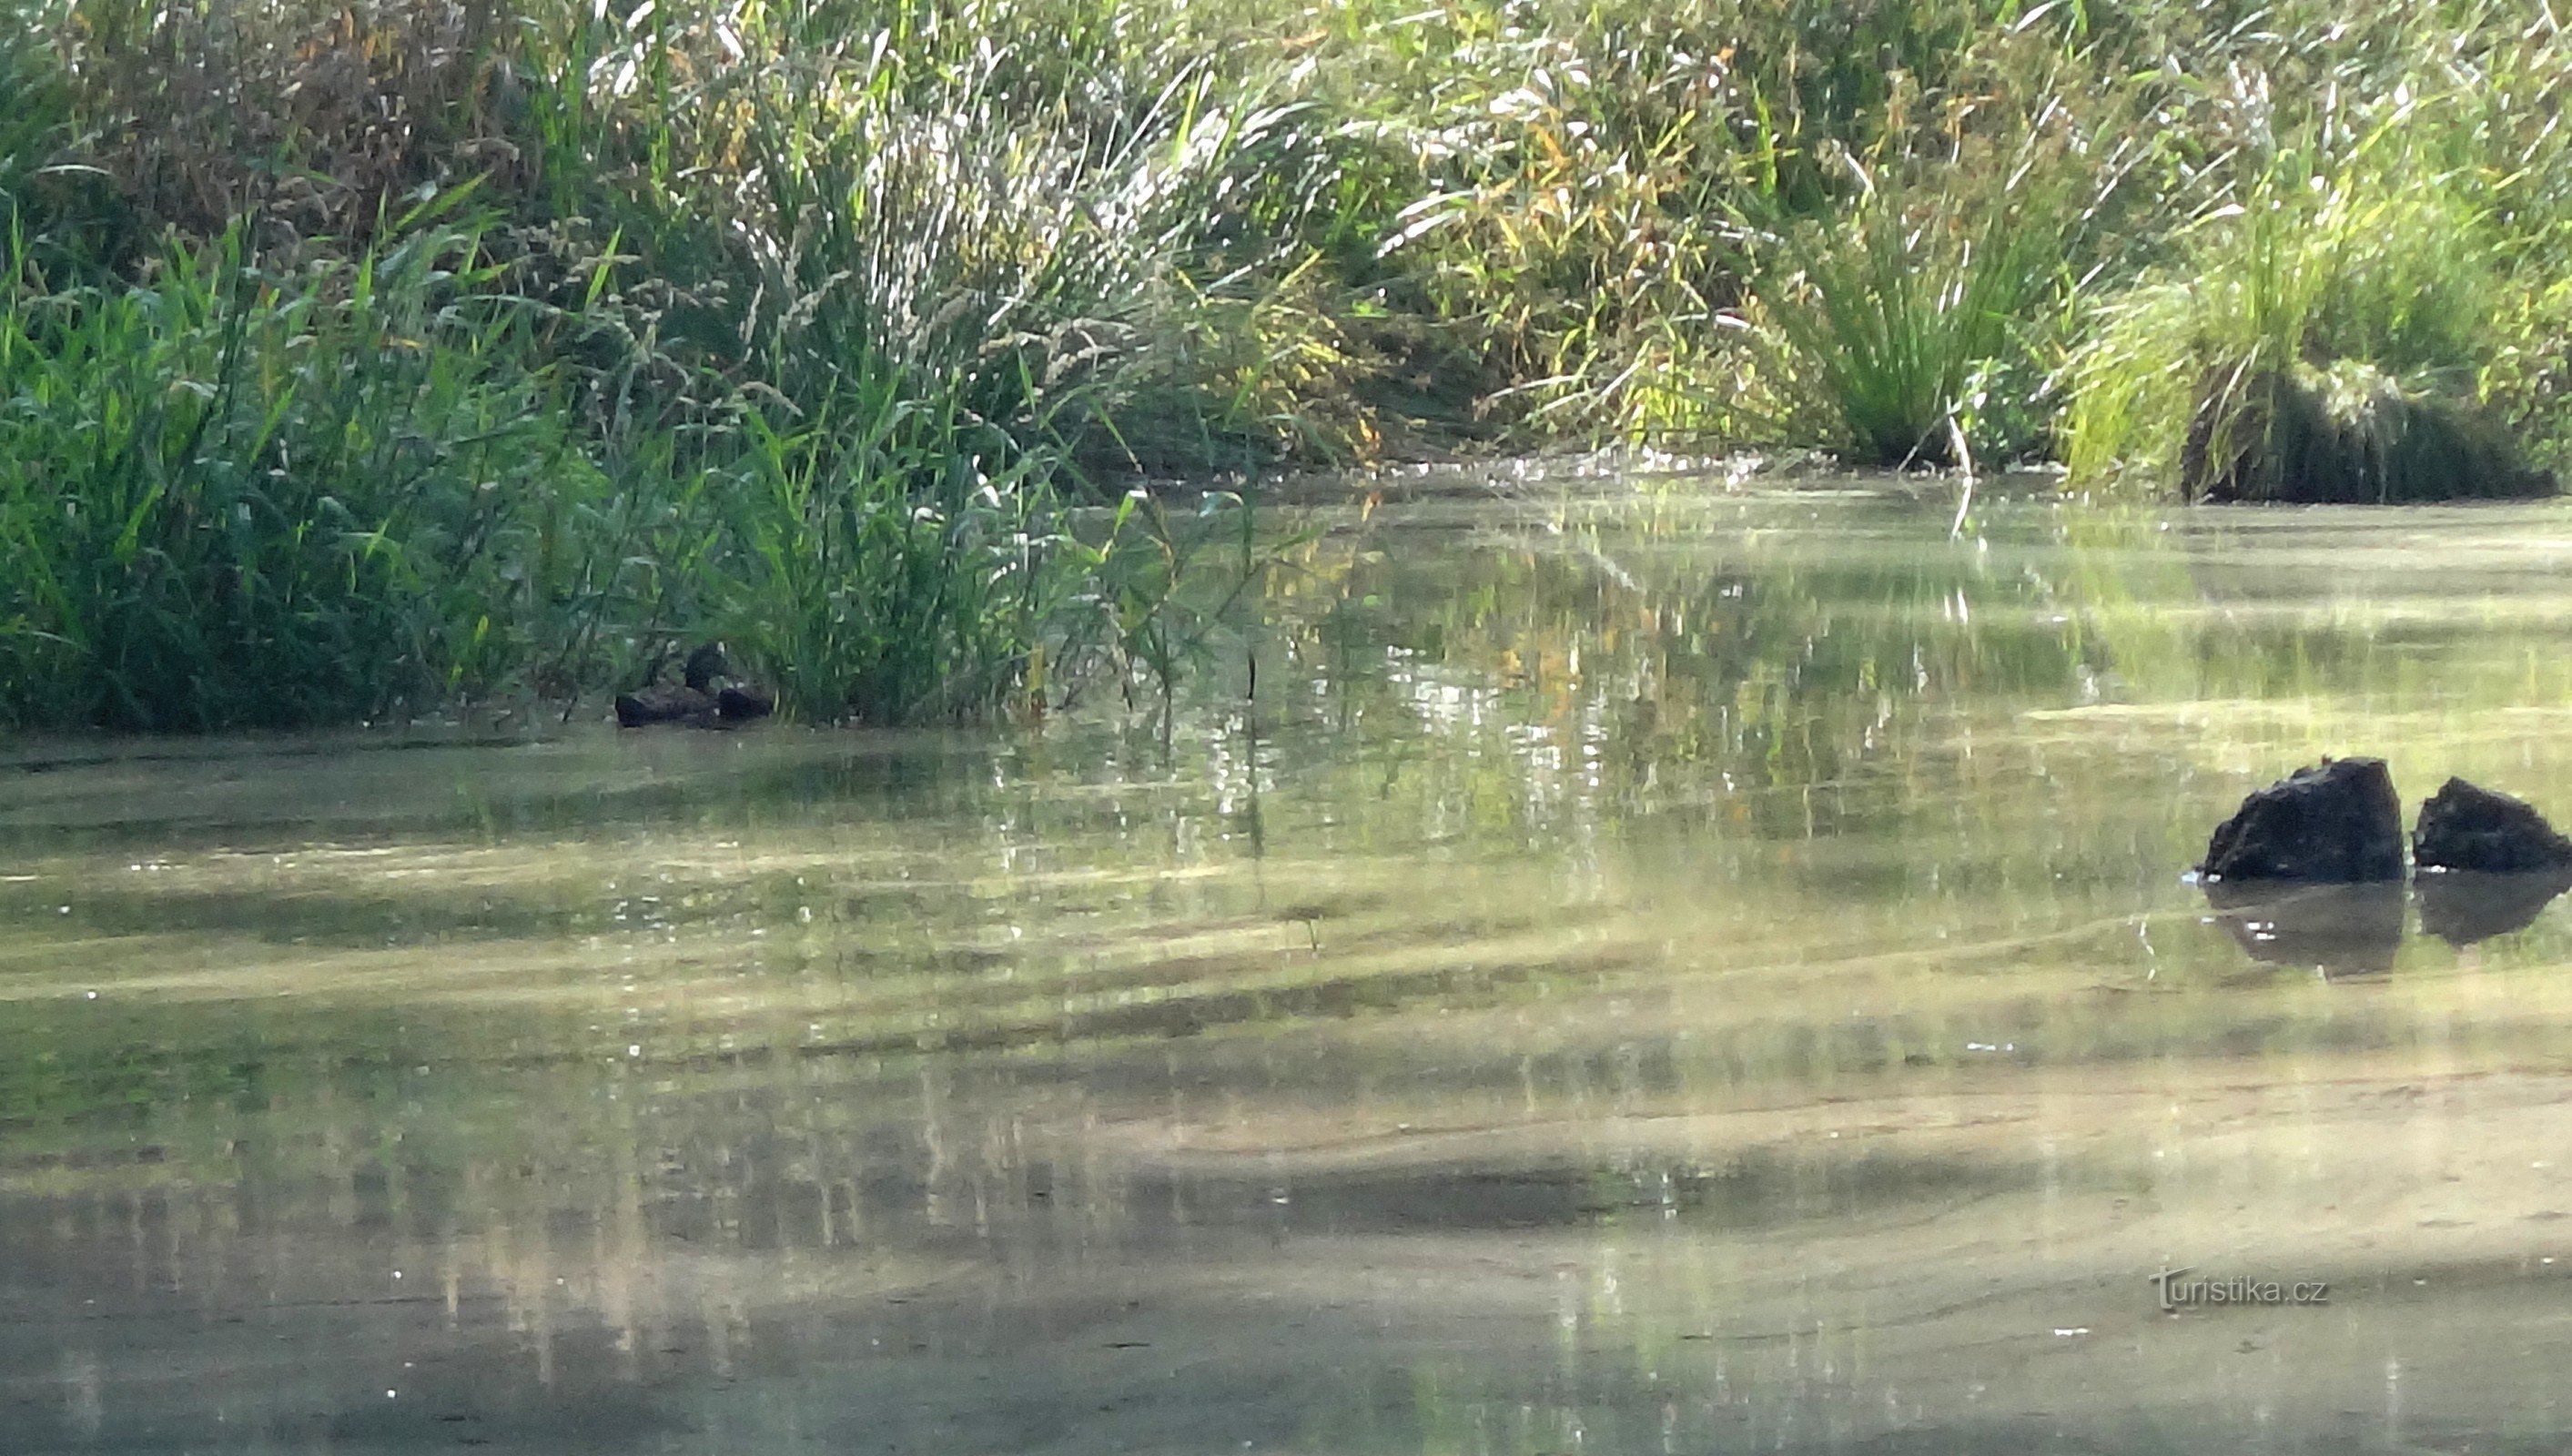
column 819, row 377
column 251, row 498
column 843, row 331
column 1907, row 314
column 2325, row 327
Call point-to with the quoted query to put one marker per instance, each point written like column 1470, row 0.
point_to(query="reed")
column 1900, row 309
column 2331, row 300
column 247, row 498
column 844, row 329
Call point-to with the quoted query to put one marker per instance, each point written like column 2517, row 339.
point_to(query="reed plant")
column 245, row 499
column 37, row 121
column 1901, row 309
column 947, row 296
column 793, row 327
column 362, row 360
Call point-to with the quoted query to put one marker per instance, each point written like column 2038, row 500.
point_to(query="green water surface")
column 1656, row 966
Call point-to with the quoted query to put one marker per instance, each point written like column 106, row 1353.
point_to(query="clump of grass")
column 881, row 576
column 1023, row 267
column 955, row 301
column 2306, row 332
column 1564, row 212
column 791, row 327
column 1582, row 176
column 2352, row 435
column 1900, row 309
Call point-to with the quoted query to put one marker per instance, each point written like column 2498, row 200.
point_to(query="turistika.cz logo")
column 2179, row 1292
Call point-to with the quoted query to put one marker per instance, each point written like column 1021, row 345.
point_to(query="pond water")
column 1656, row 966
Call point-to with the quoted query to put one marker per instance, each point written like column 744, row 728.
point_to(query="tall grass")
column 2368, row 257
column 242, row 499
column 1902, row 311
column 808, row 352
column 36, row 122
column 845, row 328
column 956, row 295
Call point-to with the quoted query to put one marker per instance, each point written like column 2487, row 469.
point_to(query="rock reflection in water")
column 2356, row 930
column 2345, row 930
column 2462, row 907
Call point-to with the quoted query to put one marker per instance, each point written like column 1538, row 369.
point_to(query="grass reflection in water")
column 1665, row 969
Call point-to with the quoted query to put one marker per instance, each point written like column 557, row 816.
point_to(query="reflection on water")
column 2344, row 929
column 2462, row 907
column 1656, row 968
column 2352, row 929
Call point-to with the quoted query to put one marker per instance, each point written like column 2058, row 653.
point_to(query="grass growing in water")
column 823, row 388
column 243, row 498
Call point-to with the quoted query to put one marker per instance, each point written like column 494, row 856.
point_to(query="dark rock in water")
column 664, row 703
column 2466, row 827
column 2346, row 930
column 705, row 700
column 2337, row 822
column 742, row 704
column 2348, row 434
column 2462, row 907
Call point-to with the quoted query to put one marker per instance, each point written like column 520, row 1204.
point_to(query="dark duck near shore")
column 706, row 698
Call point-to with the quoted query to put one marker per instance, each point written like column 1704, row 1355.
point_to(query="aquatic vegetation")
column 2350, row 434
column 842, row 329
column 2192, row 375
column 819, row 374
column 2325, row 330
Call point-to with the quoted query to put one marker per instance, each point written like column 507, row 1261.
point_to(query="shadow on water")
column 1658, row 966
column 1757, row 1189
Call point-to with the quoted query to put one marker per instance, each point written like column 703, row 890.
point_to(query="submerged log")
column 2339, row 821
column 2347, row 434
column 2466, row 827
